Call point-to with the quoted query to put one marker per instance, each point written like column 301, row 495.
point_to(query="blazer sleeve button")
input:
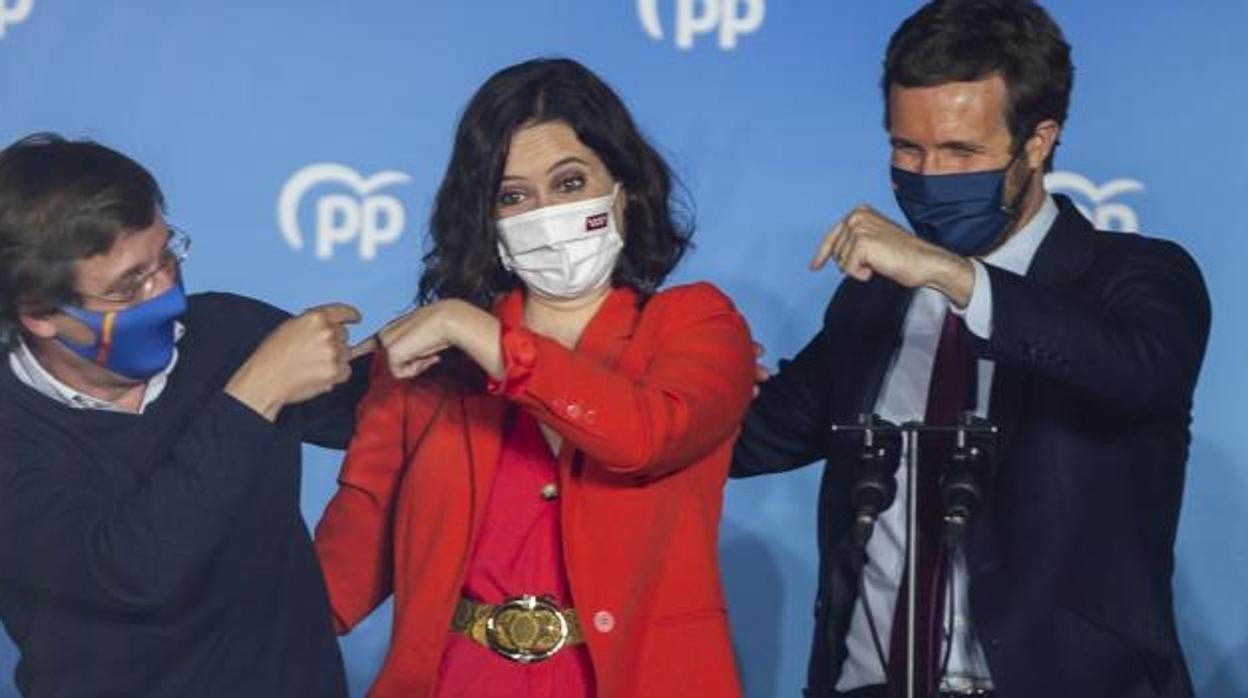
column 604, row 621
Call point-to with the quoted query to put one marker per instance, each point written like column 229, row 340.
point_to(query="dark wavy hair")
column 963, row 40
column 463, row 261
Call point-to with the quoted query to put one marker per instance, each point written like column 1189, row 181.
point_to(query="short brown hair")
column 62, row 201
column 964, row 40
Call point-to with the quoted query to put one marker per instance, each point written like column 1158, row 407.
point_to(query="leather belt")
column 524, row 629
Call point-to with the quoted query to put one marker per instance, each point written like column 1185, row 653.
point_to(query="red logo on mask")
column 598, row 221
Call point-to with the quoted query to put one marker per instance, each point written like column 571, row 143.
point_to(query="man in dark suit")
column 1082, row 346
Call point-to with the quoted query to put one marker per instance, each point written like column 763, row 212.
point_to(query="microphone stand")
column 910, row 432
column 876, row 487
column 962, row 490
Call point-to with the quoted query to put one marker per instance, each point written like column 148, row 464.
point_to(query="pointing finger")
column 338, row 313
column 827, row 246
column 369, row 345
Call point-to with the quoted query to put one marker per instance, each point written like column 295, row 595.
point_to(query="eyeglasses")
column 177, row 249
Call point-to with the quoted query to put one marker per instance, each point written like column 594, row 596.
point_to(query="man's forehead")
column 949, row 109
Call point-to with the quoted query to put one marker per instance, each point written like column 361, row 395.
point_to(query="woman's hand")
column 414, row 341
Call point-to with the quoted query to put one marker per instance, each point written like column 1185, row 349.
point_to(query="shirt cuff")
column 978, row 312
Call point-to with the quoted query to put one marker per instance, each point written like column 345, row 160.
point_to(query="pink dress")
column 518, row 551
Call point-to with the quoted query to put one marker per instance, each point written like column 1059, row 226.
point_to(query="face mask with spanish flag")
column 136, row 342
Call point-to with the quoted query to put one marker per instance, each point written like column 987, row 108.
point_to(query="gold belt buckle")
column 526, row 629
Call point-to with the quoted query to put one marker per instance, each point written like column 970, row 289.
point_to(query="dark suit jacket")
column 1097, row 352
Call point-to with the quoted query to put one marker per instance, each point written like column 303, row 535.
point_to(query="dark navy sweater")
column 164, row 554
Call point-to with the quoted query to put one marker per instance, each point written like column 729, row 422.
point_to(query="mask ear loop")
column 503, row 254
column 1012, row 208
column 618, row 220
column 615, row 195
column 83, row 317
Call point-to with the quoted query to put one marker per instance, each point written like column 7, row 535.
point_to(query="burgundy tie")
column 946, row 400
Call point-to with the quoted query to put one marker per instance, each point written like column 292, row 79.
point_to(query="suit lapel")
column 1066, row 252
column 611, row 328
column 604, row 340
column 1063, row 256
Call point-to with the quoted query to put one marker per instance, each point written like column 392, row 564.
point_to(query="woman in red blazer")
column 538, row 468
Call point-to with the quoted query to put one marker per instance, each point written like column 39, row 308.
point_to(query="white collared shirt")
column 29, row 371
column 904, row 399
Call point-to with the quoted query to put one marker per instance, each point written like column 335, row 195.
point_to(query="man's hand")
column 304, row 357
column 865, row 243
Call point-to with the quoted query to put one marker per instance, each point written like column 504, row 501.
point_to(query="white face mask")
column 562, row 251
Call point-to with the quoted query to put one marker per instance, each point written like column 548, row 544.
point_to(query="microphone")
column 876, row 487
column 962, row 487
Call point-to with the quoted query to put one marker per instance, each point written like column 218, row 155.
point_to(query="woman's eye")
column 571, row 183
column 510, row 198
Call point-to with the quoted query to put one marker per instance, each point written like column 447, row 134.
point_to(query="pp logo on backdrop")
column 14, row 12
column 362, row 216
column 726, row 18
column 1096, row 203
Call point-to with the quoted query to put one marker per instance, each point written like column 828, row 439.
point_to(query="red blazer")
column 648, row 404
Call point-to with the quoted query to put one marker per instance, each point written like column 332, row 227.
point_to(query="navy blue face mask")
column 962, row 213
column 136, row 342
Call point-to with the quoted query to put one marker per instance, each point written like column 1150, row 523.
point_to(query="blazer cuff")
column 519, row 352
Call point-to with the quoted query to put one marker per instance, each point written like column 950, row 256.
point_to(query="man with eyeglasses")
column 151, row 541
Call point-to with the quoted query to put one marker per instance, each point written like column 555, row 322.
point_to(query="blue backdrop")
column 300, row 143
